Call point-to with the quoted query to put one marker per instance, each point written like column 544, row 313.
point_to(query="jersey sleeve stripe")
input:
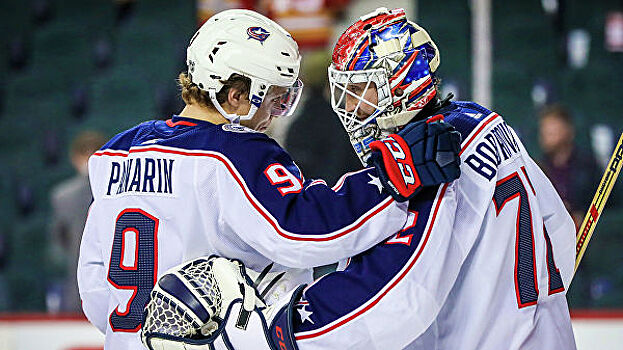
column 254, row 202
column 342, row 179
column 367, row 306
column 491, row 117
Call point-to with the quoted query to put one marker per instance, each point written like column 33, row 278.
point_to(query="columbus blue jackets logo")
column 258, row 33
column 236, row 128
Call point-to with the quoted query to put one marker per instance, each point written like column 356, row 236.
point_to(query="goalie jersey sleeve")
column 482, row 263
column 168, row 192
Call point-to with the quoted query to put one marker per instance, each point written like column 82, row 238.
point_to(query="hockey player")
column 209, row 182
column 482, row 263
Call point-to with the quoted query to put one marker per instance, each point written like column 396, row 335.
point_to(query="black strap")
column 272, row 284
column 262, row 275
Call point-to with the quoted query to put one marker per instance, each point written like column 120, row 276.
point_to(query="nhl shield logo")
column 258, row 33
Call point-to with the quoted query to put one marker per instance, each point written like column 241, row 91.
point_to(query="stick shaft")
column 599, row 202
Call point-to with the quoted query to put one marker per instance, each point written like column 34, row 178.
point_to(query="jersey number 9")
column 133, row 265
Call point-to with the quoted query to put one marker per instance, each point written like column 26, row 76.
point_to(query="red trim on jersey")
column 398, row 239
column 523, row 168
column 316, row 182
column 378, row 298
column 339, row 233
column 342, row 179
column 134, row 266
column 482, row 126
column 171, row 124
column 548, row 243
column 109, row 153
column 435, row 118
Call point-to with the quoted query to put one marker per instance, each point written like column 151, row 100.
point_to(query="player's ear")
column 235, row 97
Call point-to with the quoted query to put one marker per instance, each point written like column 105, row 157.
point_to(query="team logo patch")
column 258, row 33
column 236, row 128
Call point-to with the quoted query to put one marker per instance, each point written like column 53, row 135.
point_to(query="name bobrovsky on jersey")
column 499, row 145
column 141, row 176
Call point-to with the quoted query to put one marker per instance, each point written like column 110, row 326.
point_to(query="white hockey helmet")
column 246, row 43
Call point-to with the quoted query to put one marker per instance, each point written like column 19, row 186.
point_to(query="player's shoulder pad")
column 465, row 116
column 253, row 146
column 252, row 152
column 124, row 140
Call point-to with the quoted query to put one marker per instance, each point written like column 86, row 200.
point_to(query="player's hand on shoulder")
column 424, row 153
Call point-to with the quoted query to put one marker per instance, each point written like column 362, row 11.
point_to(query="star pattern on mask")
column 376, row 182
column 390, row 51
column 305, row 315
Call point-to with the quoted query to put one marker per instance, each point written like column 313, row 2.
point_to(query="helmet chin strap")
column 395, row 120
column 232, row 117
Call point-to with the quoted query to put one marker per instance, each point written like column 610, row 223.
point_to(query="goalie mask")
column 249, row 44
column 382, row 50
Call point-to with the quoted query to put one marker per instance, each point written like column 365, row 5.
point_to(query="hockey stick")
column 599, row 202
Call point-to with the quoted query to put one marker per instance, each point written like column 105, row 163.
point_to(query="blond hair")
column 193, row 94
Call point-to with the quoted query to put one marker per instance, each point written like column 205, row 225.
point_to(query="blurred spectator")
column 41, row 11
column 70, row 202
column 207, row 8
column 51, row 145
column 573, row 171
column 79, row 101
column 24, row 198
column 102, row 53
column 124, row 10
column 310, row 22
column 18, row 53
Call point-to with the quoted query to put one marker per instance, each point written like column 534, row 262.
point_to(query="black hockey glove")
column 424, row 153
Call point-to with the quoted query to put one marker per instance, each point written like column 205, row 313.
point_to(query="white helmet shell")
column 247, row 43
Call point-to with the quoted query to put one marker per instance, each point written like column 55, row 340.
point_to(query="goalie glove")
column 210, row 303
column 424, row 153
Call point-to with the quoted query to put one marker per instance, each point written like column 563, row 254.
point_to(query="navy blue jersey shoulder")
column 124, row 140
column 249, row 151
column 233, row 141
column 464, row 115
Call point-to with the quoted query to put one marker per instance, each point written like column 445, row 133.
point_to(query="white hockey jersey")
column 168, row 192
column 481, row 264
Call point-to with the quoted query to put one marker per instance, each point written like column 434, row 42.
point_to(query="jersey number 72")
column 526, row 285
